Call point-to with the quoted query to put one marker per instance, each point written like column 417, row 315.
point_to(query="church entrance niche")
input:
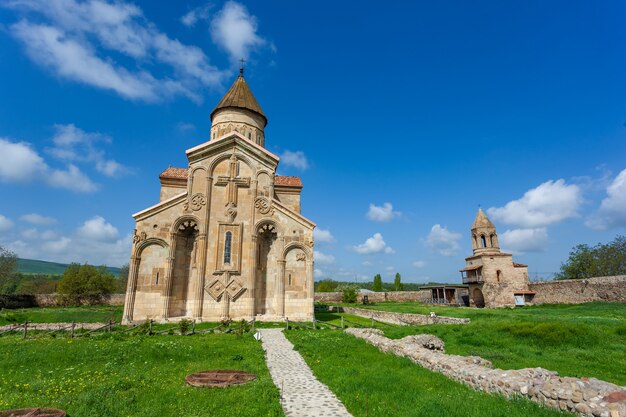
column 479, row 300
column 184, row 268
column 266, row 268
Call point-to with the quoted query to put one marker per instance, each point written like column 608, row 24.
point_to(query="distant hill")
column 33, row 266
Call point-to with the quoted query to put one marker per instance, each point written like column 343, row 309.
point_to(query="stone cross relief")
column 232, row 183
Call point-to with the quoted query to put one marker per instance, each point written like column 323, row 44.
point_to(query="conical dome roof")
column 240, row 96
column 482, row 221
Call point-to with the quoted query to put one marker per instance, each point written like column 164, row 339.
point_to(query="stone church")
column 494, row 280
column 226, row 240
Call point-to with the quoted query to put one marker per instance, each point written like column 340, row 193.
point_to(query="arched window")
column 289, row 279
column 475, row 241
column 483, row 241
column 491, row 241
column 498, row 275
column 156, row 280
column 227, row 245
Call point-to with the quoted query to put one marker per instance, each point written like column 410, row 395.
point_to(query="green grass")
column 574, row 340
column 123, row 375
column 371, row 383
column 82, row 314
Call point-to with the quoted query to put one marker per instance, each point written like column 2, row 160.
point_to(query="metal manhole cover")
column 33, row 412
column 219, row 378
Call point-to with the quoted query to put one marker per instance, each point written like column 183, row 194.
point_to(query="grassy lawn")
column 123, row 375
column 371, row 383
column 574, row 340
column 82, row 314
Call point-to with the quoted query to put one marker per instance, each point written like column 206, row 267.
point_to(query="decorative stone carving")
column 263, row 205
column 139, row 237
column 216, row 289
column 300, row 256
column 197, row 201
column 231, row 212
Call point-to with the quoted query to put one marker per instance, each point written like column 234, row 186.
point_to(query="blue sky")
column 400, row 118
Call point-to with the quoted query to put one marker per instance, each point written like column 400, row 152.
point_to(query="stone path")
column 302, row 394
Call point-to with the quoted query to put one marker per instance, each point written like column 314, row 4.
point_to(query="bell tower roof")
column 482, row 221
column 239, row 96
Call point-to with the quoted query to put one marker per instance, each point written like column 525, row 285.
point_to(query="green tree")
column 8, row 265
column 86, row 283
column 378, row 283
column 349, row 295
column 326, row 285
column 397, row 285
column 598, row 261
column 122, row 279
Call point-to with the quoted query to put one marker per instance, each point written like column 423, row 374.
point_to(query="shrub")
column 85, row 284
column 349, row 295
column 184, row 326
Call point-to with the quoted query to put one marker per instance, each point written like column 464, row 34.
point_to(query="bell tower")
column 239, row 111
column 484, row 236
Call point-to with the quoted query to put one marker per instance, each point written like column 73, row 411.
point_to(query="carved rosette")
column 197, row 201
column 216, row 289
column 263, row 205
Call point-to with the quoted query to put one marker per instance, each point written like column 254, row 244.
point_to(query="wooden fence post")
column 314, row 326
column 73, row 327
column 25, row 328
column 342, row 326
column 287, row 323
column 150, row 331
column 372, row 322
column 193, row 327
column 253, row 323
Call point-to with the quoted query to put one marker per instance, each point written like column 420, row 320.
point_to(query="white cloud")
column 80, row 41
column 419, row 264
column 23, row 164
column 322, row 235
column 382, row 213
column 443, row 241
column 295, row 159
column 318, row 273
column 5, row 223
column 74, row 144
column 235, row 30
column 548, row 203
column 96, row 242
column 72, row 179
column 366, row 263
column 521, row 241
column 20, row 163
column 185, row 127
column 612, row 211
column 193, row 16
column 323, row 258
column 98, row 229
column 374, row 244
column 390, row 268
column 38, row 219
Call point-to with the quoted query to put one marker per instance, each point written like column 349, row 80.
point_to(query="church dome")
column 239, row 110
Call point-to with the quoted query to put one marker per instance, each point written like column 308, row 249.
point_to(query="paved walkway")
column 302, row 394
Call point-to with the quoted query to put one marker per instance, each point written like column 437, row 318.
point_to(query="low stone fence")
column 400, row 318
column 376, row 297
column 53, row 326
column 51, row 300
column 586, row 396
column 576, row 291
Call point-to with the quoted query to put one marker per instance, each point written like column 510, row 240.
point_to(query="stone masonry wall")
column 575, row 291
column 376, row 297
column 401, row 318
column 48, row 300
column 586, row 396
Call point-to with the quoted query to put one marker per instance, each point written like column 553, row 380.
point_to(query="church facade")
column 226, row 240
column 493, row 279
